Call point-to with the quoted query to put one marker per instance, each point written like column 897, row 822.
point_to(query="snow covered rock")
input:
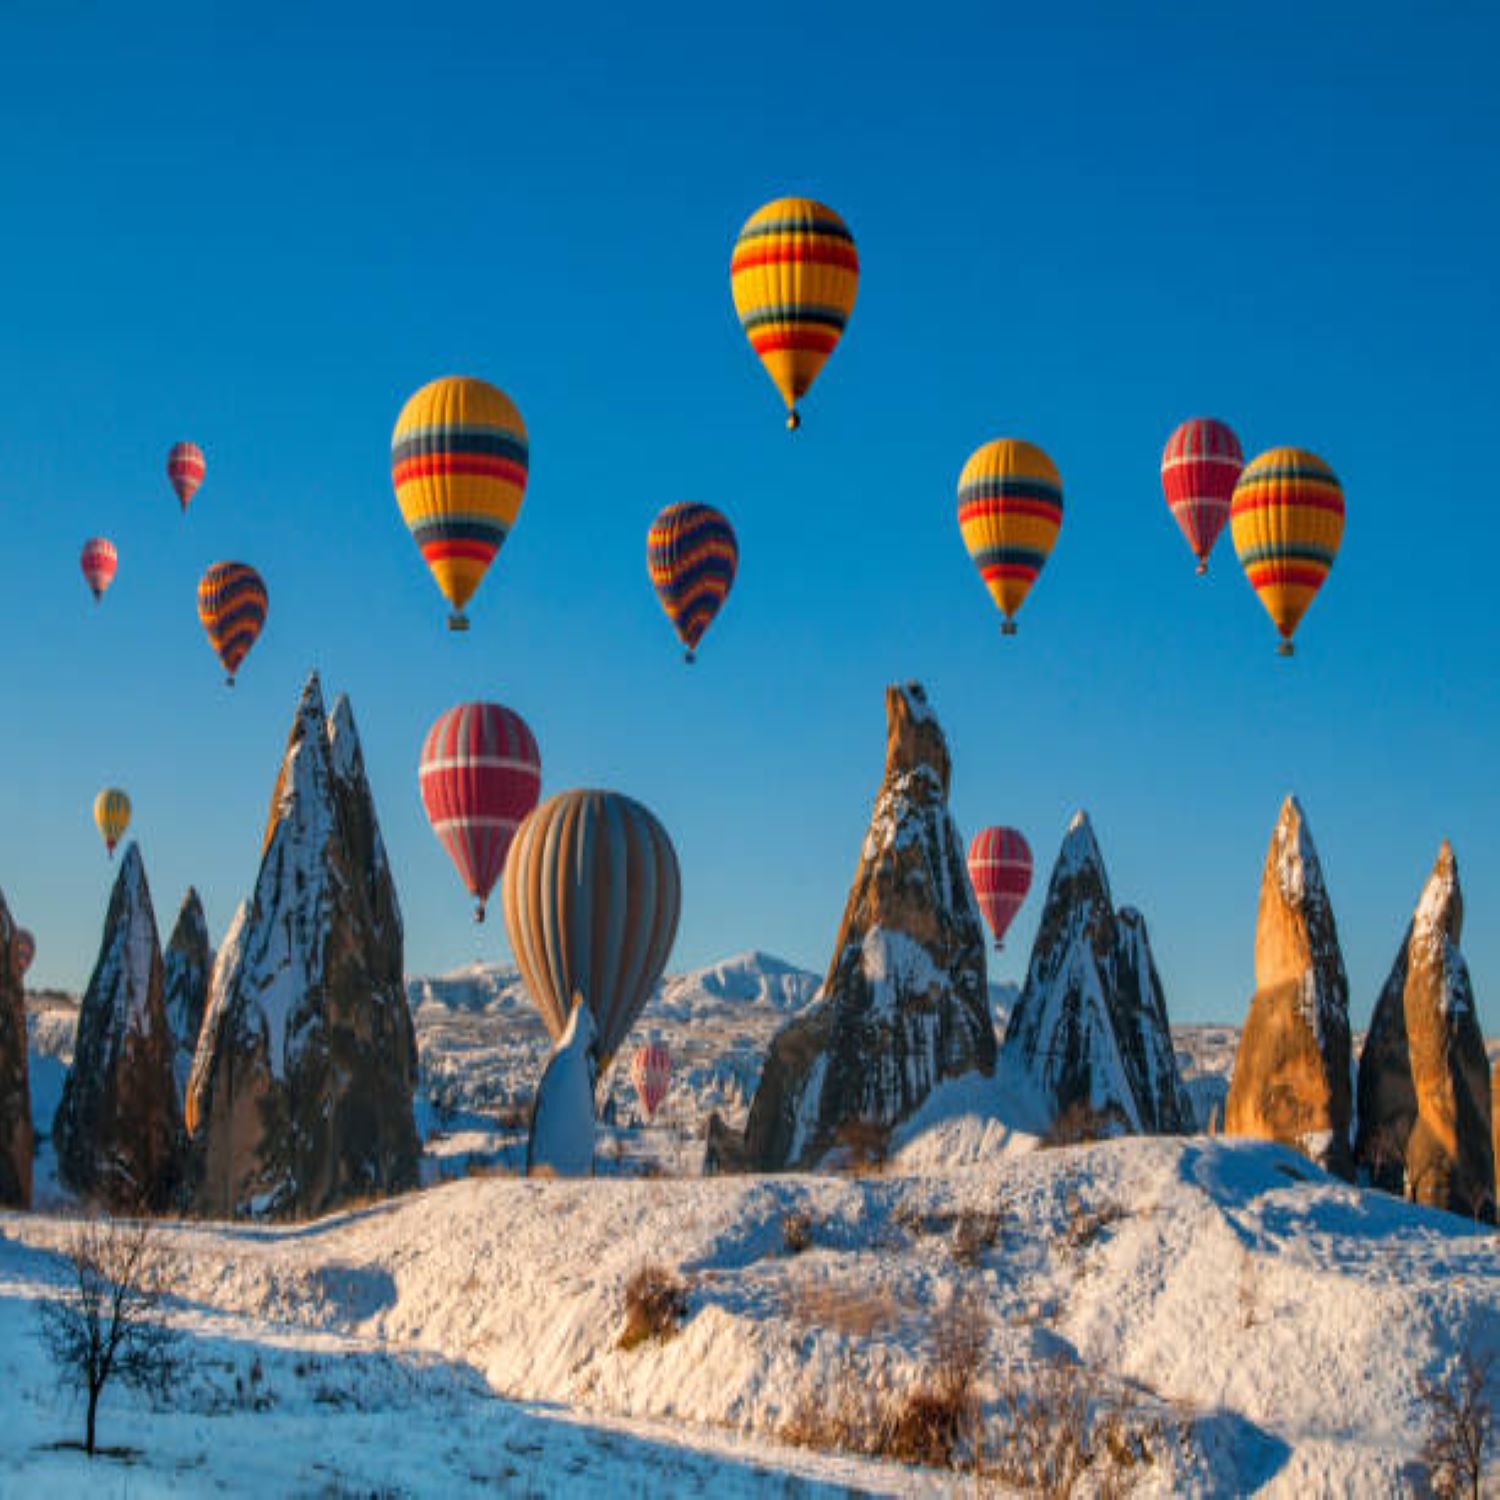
column 905, row 1004
column 16, row 1138
column 118, row 1130
column 562, row 1124
column 1291, row 1073
column 1424, row 1077
column 185, row 970
column 1090, row 1027
column 301, row 1091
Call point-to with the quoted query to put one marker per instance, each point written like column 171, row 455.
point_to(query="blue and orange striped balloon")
column 1010, row 510
column 232, row 605
column 459, row 462
column 692, row 556
column 794, row 276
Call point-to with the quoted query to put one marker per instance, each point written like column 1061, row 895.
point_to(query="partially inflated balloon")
column 480, row 773
column 98, row 561
column 22, row 951
column 592, row 894
column 1199, row 468
column 692, row 555
column 111, row 816
column 650, row 1072
column 459, row 461
column 186, row 467
column 1287, row 521
column 794, row 276
column 1000, row 872
column 232, row 607
column 1009, row 510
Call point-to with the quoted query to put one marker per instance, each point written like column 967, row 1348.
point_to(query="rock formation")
column 904, row 1005
column 16, row 1142
column 1291, row 1073
column 561, row 1143
column 1090, row 1026
column 118, row 1129
column 185, row 971
column 301, row 1090
column 1425, row 1118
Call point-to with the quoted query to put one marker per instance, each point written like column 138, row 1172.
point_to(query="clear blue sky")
column 263, row 231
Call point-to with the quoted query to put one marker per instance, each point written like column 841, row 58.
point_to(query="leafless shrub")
column 1460, row 1419
column 846, row 1415
column 855, row 1309
column 656, row 1302
column 1081, row 1123
column 974, row 1235
column 106, row 1323
column 1085, row 1225
column 861, row 1148
column 796, row 1231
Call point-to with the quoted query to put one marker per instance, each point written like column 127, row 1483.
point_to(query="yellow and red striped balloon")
column 459, row 462
column 1010, row 510
column 232, row 603
column 111, row 816
column 1287, row 520
column 794, row 276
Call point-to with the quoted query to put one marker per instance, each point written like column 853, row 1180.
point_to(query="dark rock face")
column 1090, row 1026
column 16, row 1139
column 1291, row 1073
column 301, row 1090
column 185, row 972
column 118, row 1129
column 1425, row 1123
column 904, row 1005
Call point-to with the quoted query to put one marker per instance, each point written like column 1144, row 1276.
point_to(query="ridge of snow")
column 1299, row 875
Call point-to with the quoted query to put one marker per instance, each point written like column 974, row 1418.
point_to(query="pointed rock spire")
column 185, row 971
column 118, row 1129
column 1291, row 1073
column 16, row 1138
column 1425, row 1113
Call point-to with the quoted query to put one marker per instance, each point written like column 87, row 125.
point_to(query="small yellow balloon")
column 112, row 816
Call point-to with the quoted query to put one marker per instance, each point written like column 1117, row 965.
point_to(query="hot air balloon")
column 186, row 467
column 98, row 561
column 480, row 775
column 591, row 892
column 22, row 951
column 232, row 606
column 112, row 816
column 1287, row 520
column 1199, row 468
column 459, row 461
column 1009, row 510
column 1000, row 872
column 650, row 1072
column 692, row 555
column 794, row 276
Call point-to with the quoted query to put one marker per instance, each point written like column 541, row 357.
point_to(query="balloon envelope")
column 232, row 605
column 592, row 894
column 480, row 774
column 692, row 555
column 186, row 467
column 650, row 1072
column 794, row 276
column 1000, row 872
column 1199, row 469
column 111, row 816
column 459, row 463
column 1287, row 520
column 1009, row 510
column 98, row 561
column 23, row 951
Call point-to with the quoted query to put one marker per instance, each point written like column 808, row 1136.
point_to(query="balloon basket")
column 999, row 945
column 1285, row 649
column 1202, row 566
column 689, row 658
column 793, row 420
column 479, row 914
column 229, row 682
column 1008, row 627
column 458, row 622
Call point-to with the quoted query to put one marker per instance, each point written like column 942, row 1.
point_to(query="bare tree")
column 106, row 1324
column 1460, row 1419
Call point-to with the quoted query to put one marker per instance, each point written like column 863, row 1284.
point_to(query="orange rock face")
column 1291, row 1074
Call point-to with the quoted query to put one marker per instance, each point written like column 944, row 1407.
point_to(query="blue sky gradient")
column 264, row 231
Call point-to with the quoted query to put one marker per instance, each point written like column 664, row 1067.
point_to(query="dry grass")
column 854, row 1309
column 1085, row 1225
column 975, row 1234
column 656, row 1303
column 1081, row 1123
column 861, row 1148
column 796, row 1231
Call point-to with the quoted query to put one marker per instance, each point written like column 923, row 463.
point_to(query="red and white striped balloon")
column 650, row 1072
column 1000, row 870
column 186, row 467
column 480, row 773
column 98, row 561
column 1200, row 467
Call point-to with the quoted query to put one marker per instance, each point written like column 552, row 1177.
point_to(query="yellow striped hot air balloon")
column 459, row 462
column 111, row 816
column 1287, row 520
column 794, row 276
column 1009, row 511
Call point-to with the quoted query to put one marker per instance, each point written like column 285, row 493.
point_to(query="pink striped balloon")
column 98, row 561
column 650, row 1072
column 1000, row 870
column 480, row 774
column 1200, row 467
column 186, row 467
